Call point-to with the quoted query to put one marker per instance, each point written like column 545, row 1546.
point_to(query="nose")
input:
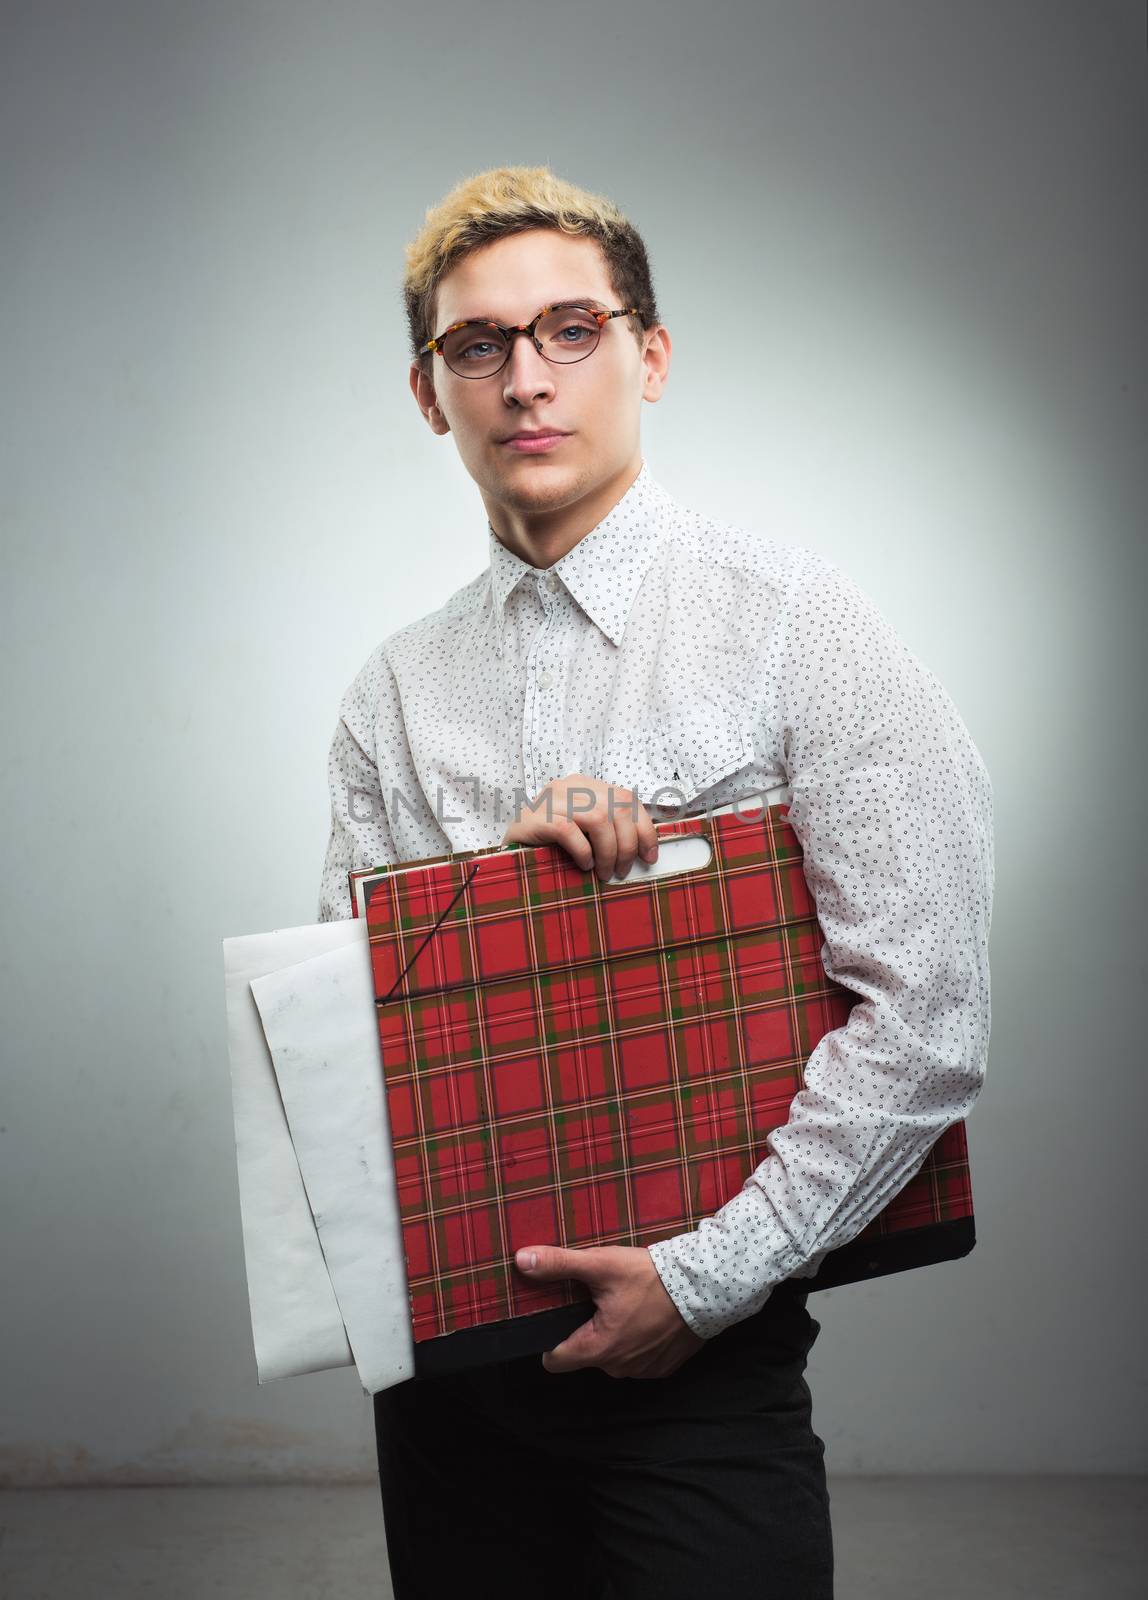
column 527, row 375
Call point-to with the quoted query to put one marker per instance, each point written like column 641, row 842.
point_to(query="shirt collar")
column 604, row 569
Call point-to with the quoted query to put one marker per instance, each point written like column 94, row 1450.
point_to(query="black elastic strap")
column 431, row 934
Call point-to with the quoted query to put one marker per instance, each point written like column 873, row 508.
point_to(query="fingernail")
column 526, row 1259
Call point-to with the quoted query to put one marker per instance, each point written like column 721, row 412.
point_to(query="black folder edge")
column 849, row 1263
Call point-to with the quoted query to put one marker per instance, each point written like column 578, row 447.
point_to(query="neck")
column 543, row 537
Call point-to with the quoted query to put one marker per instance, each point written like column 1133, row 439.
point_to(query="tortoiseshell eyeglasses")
column 564, row 332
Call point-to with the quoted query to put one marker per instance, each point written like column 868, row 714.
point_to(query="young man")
column 619, row 646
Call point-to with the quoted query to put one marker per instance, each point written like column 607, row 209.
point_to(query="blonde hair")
column 505, row 200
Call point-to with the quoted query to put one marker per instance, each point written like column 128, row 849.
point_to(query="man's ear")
column 656, row 361
column 423, row 390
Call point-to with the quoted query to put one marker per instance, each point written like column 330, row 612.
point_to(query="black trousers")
column 509, row 1481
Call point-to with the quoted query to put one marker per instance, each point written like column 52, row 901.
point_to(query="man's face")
column 594, row 402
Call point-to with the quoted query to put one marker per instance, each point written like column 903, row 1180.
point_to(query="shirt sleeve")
column 360, row 834
column 892, row 805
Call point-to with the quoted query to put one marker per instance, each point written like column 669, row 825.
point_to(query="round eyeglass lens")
column 567, row 333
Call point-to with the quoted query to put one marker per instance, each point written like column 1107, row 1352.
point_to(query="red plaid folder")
column 580, row 1063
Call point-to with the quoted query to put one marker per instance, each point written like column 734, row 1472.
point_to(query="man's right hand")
column 599, row 825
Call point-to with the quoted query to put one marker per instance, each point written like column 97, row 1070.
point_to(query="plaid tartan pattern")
column 580, row 1063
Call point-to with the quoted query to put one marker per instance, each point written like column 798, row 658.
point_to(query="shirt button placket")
column 546, row 730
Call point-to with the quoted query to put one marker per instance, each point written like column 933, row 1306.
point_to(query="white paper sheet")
column 296, row 1322
column 320, row 1024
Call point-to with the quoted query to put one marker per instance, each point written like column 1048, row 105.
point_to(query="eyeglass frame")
column 508, row 332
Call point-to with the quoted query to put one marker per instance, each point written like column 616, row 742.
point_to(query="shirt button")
column 552, row 584
column 545, row 679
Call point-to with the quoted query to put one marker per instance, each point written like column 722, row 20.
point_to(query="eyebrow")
column 566, row 300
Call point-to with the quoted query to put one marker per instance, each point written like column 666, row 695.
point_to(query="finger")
column 601, row 833
column 560, row 832
column 572, row 839
column 581, row 1349
column 635, row 829
column 647, row 835
column 626, row 828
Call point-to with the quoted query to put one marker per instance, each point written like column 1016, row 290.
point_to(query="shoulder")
column 432, row 632
column 374, row 688
column 747, row 561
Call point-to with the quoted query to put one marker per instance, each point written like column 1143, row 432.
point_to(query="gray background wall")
column 218, row 496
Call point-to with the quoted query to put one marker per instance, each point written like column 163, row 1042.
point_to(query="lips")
column 531, row 443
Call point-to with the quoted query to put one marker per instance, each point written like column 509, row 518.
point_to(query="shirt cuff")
column 728, row 1267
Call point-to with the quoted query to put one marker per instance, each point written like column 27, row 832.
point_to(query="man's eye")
column 579, row 332
column 477, row 351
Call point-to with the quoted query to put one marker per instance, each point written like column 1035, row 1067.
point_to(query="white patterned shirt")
column 668, row 652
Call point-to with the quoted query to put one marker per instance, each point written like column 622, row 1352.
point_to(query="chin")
column 534, row 482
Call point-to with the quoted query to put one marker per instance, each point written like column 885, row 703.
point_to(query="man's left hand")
column 636, row 1331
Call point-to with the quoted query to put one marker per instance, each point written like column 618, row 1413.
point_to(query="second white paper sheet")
column 296, row 1323
column 320, row 1024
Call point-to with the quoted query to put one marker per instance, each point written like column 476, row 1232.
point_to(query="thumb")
column 552, row 1261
